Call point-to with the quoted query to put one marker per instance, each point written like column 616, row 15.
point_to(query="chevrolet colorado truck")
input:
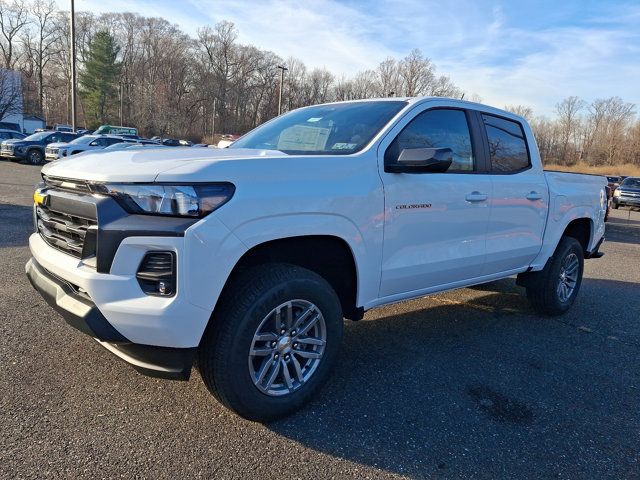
column 244, row 261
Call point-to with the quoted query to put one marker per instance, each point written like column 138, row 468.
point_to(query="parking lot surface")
column 467, row 384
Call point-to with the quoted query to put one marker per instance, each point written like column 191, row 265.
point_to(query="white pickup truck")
column 245, row 260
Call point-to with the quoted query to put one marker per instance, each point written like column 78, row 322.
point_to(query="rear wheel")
column 553, row 290
column 272, row 342
column 34, row 157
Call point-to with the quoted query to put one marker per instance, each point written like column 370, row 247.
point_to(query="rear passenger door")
column 520, row 197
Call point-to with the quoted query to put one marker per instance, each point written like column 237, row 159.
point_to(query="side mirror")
column 422, row 160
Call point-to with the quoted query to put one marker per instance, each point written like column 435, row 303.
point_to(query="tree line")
column 153, row 76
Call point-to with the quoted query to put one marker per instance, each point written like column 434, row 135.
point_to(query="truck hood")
column 143, row 165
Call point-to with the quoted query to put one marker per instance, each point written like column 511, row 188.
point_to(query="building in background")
column 31, row 122
column 11, row 102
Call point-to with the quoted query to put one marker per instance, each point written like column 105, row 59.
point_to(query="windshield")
column 38, row 136
column 631, row 182
column 335, row 129
column 82, row 140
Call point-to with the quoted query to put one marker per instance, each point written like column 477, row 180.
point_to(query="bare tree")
column 522, row 110
column 568, row 112
column 10, row 93
column 14, row 16
column 39, row 42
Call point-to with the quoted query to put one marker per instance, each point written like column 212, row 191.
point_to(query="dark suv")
column 32, row 147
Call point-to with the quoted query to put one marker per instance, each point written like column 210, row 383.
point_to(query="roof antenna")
column 462, row 97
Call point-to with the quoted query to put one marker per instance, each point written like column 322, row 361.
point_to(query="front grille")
column 63, row 231
column 52, row 151
column 629, row 194
column 77, row 186
column 7, row 149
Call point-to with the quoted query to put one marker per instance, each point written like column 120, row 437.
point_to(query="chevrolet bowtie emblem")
column 40, row 196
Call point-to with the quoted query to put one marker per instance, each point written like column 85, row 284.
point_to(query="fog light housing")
column 157, row 274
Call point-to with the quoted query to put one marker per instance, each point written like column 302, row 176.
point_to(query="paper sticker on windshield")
column 343, row 146
column 314, row 119
column 303, row 137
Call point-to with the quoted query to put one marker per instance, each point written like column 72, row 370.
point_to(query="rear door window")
column 507, row 145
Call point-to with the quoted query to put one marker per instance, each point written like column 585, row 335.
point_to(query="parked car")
column 10, row 126
column 249, row 257
column 171, row 142
column 84, row 143
column 62, row 127
column 32, row 148
column 10, row 134
column 628, row 193
column 116, row 130
column 613, row 181
column 127, row 145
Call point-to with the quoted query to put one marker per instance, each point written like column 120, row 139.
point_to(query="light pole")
column 282, row 69
column 73, row 66
column 121, row 104
column 213, row 121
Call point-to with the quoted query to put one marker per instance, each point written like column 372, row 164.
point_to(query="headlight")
column 195, row 200
column 616, row 193
column 20, row 149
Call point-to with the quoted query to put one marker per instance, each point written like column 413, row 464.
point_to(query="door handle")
column 534, row 196
column 476, row 197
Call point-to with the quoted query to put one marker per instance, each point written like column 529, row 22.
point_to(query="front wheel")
column 553, row 290
column 35, row 157
column 272, row 342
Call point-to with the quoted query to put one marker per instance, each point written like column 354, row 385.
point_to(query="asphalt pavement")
column 467, row 384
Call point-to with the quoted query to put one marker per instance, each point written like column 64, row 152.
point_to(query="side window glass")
column 507, row 144
column 440, row 128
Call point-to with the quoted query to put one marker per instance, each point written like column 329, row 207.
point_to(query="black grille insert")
column 64, row 231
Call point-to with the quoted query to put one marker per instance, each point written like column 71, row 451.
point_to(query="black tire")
column 34, row 157
column 223, row 356
column 542, row 287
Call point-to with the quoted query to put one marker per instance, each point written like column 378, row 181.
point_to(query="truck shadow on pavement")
column 481, row 387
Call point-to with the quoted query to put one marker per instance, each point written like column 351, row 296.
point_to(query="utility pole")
column 121, row 104
column 213, row 121
column 282, row 69
column 73, row 66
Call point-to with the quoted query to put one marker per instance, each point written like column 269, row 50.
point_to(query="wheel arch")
column 329, row 256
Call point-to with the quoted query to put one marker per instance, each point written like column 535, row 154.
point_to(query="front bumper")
column 623, row 200
column 14, row 155
column 81, row 313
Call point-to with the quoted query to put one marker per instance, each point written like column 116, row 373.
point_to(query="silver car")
column 55, row 151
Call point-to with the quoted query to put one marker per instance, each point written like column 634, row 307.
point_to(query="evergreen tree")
column 99, row 78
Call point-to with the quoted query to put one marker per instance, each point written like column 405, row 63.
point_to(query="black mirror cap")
column 422, row 160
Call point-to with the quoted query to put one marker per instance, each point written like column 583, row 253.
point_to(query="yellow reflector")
column 38, row 197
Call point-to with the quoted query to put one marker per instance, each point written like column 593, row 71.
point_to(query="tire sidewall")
column 244, row 393
column 568, row 246
column 32, row 155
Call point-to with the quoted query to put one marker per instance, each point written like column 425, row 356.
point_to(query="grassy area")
column 627, row 169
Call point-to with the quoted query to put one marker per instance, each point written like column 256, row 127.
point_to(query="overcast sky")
column 531, row 53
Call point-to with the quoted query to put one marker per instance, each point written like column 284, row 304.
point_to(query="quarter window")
column 507, row 144
column 440, row 128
